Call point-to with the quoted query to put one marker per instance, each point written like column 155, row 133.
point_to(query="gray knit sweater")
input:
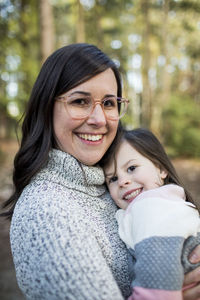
column 64, row 237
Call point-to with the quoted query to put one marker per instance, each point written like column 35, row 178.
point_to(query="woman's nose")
column 97, row 117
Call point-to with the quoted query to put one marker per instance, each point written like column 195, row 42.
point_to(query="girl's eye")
column 112, row 179
column 131, row 169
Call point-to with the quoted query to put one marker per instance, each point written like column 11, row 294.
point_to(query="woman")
column 63, row 232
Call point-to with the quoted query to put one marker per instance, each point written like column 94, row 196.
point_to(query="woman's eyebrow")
column 89, row 94
column 80, row 92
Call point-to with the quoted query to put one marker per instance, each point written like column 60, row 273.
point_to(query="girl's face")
column 87, row 139
column 133, row 174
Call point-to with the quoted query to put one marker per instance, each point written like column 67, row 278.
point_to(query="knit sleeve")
column 56, row 254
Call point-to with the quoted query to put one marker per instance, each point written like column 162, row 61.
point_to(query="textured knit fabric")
column 161, row 229
column 64, row 237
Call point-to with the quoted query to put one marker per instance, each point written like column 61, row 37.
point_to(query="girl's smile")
column 130, row 195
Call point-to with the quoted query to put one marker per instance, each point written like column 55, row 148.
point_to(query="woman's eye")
column 110, row 103
column 113, row 179
column 131, row 169
column 79, row 102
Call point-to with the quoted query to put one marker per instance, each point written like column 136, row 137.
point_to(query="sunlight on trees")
column 154, row 43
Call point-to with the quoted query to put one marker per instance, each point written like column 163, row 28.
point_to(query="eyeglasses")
column 80, row 106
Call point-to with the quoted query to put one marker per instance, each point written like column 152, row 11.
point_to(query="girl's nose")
column 97, row 117
column 124, row 182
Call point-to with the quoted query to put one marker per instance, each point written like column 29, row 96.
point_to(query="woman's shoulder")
column 44, row 188
column 45, row 209
column 46, row 198
column 43, row 197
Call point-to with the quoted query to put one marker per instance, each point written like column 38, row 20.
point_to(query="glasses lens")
column 79, row 106
column 110, row 107
column 122, row 108
column 115, row 108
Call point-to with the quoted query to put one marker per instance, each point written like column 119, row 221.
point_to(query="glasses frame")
column 63, row 99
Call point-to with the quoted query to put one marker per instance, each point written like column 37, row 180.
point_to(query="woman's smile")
column 90, row 137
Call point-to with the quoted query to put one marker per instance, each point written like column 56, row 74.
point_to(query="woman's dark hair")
column 63, row 70
column 147, row 144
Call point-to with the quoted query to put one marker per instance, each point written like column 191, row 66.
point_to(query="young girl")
column 158, row 220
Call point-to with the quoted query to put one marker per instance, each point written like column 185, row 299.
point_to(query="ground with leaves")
column 189, row 171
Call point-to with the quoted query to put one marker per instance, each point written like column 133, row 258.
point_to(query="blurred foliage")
column 181, row 127
column 155, row 44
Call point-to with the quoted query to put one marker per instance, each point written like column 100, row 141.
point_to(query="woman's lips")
column 130, row 195
column 90, row 139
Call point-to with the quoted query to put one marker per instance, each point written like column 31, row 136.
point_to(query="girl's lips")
column 132, row 194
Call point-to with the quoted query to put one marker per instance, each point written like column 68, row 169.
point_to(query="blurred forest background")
column 155, row 44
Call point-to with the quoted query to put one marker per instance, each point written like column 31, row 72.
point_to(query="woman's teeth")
column 91, row 137
column 132, row 195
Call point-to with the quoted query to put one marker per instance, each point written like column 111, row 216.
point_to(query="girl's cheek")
column 114, row 195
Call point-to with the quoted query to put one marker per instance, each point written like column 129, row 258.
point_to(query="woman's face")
column 87, row 139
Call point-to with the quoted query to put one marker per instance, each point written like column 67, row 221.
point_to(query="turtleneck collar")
column 65, row 169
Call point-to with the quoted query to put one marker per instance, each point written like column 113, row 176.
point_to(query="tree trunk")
column 47, row 35
column 163, row 94
column 97, row 14
column 146, row 57
column 80, row 29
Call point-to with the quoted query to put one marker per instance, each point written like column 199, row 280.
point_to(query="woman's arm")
column 192, row 278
